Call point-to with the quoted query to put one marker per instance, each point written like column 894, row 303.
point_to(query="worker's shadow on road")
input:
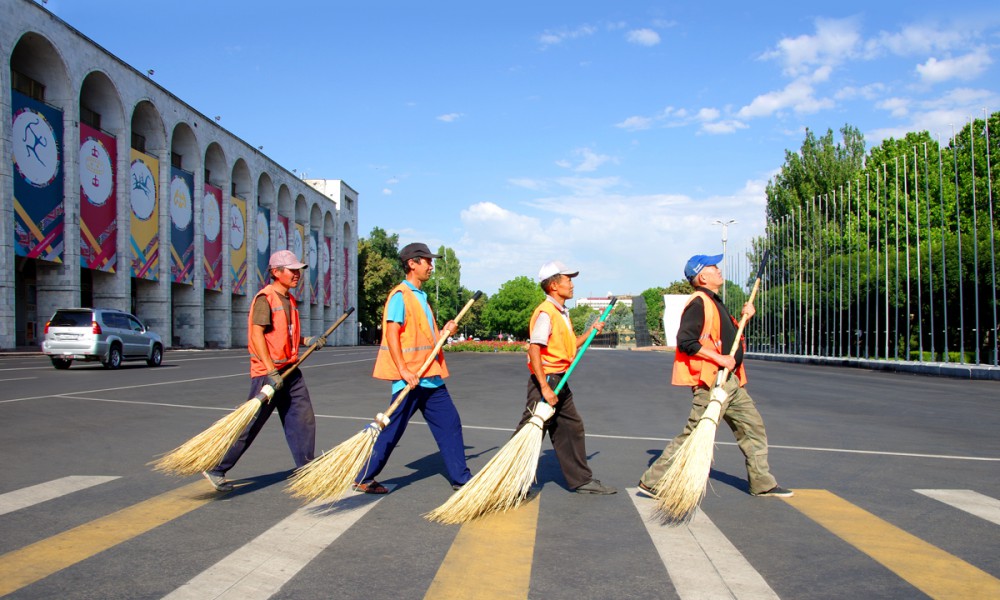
column 249, row 485
column 713, row 474
column 432, row 465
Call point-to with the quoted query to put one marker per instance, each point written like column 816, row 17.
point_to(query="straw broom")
column 332, row 474
column 206, row 450
column 682, row 487
column 505, row 481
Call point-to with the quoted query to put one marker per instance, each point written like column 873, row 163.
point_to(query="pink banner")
column 327, row 262
column 98, row 203
column 211, row 225
column 282, row 243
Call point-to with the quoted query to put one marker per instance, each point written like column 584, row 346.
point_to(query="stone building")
column 116, row 193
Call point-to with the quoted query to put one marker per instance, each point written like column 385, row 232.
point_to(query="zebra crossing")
column 698, row 557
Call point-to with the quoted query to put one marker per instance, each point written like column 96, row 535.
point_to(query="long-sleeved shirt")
column 693, row 319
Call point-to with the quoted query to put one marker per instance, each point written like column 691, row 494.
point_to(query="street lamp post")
column 725, row 237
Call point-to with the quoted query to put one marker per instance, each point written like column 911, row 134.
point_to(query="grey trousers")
column 740, row 413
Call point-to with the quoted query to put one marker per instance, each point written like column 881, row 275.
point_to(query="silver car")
column 105, row 334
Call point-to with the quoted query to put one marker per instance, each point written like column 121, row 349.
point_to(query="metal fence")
column 897, row 264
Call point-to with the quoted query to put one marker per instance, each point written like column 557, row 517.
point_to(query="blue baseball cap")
column 698, row 262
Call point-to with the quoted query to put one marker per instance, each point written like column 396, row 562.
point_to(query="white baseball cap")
column 555, row 268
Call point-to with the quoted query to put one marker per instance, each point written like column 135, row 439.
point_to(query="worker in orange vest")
column 707, row 331
column 409, row 334
column 273, row 338
column 551, row 350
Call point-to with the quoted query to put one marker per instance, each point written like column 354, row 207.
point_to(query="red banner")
column 211, row 225
column 326, row 263
column 282, row 243
column 98, row 201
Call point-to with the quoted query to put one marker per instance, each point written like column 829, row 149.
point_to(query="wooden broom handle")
column 431, row 357
column 723, row 374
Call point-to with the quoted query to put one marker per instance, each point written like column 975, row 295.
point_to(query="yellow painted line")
column 926, row 567
column 490, row 558
column 43, row 558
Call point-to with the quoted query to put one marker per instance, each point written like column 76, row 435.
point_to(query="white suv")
column 103, row 334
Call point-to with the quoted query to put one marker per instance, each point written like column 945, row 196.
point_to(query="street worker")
column 551, row 350
column 274, row 336
column 707, row 331
column 409, row 335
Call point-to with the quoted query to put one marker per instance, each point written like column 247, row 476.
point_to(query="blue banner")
column 181, row 226
column 39, row 219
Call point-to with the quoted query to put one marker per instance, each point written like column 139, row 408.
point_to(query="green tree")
column 620, row 318
column 445, row 286
column 582, row 316
column 654, row 308
column 509, row 310
column 379, row 270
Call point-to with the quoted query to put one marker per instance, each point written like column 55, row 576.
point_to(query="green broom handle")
column 724, row 374
column 430, row 358
column 583, row 348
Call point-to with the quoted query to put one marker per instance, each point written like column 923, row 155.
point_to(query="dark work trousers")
column 296, row 412
column 565, row 430
column 439, row 411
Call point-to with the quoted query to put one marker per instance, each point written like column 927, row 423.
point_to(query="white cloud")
column 938, row 115
column 919, row 39
column 386, row 192
column 552, row 38
column 636, row 123
column 588, row 161
column 797, row 96
column 835, row 40
column 450, row 117
column 528, row 184
column 724, row 126
column 620, row 242
column 643, row 37
column 897, row 107
column 708, row 114
column 965, row 67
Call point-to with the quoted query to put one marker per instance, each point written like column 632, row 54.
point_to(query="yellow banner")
column 238, row 244
column 145, row 203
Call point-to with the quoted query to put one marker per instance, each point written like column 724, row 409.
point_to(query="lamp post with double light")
column 725, row 237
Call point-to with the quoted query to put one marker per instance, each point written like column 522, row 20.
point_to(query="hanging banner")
column 39, row 213
column 297, row 241
column 98, row 201
column 145, row 222
column 211, row 224
column 238, row 244
column 263, row 246
column 181, row 226
column 326, row 263
column 347, row 270
column 282, row 242
column 314, row 270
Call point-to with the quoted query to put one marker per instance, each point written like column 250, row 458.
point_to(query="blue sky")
column 608, row 135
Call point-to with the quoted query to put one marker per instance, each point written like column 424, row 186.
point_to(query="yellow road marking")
column 926, row 567
column 490, row 558
column 45, row 557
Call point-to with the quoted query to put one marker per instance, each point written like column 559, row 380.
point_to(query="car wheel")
column 61, row 363
column 114, row 357
column 156, row 358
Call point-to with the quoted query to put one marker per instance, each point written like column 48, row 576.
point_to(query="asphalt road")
column 856, row 446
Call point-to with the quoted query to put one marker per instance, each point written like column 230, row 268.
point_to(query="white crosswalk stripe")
column 971, row 502
column 702, row 563
column 260, row 568
column 36, row 494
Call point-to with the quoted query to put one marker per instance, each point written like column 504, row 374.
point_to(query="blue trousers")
column 439, row 411
column 297, row 418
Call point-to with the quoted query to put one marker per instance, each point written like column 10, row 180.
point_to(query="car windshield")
column 72, row 318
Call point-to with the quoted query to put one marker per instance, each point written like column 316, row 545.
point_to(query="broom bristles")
column 331, row 475
column 206, row 450
column 682, row 487
column 501, row 485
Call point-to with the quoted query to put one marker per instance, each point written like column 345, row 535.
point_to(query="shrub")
column 487, row 346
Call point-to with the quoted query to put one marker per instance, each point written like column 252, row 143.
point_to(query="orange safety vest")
column 558, row 355
column 692, row 370
column 417, row 339
column 282, row 339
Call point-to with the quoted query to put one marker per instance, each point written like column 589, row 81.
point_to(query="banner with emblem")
column 39, row 212
column 181, row 226
column 211, row 225
column 238, row 244
column 283, row 234
column 326, row 263
column 263, row 245
column 297, row 244
column 98, row 201
column 314, row 267
column 347, row 271
column 145, row 223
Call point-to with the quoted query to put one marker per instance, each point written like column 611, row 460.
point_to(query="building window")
column 138, row 142
column 175, row 160
column 28, row 86
column 90, row 117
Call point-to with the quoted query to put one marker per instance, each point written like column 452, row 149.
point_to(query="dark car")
column 107, row 335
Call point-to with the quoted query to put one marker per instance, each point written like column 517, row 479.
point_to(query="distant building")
column 599, row 304
column 116, row 193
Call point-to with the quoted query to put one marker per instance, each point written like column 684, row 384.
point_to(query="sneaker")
column 220, row 483
column 777, row 492
column 457, row 486
column 596, row 487
column 646, row 491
